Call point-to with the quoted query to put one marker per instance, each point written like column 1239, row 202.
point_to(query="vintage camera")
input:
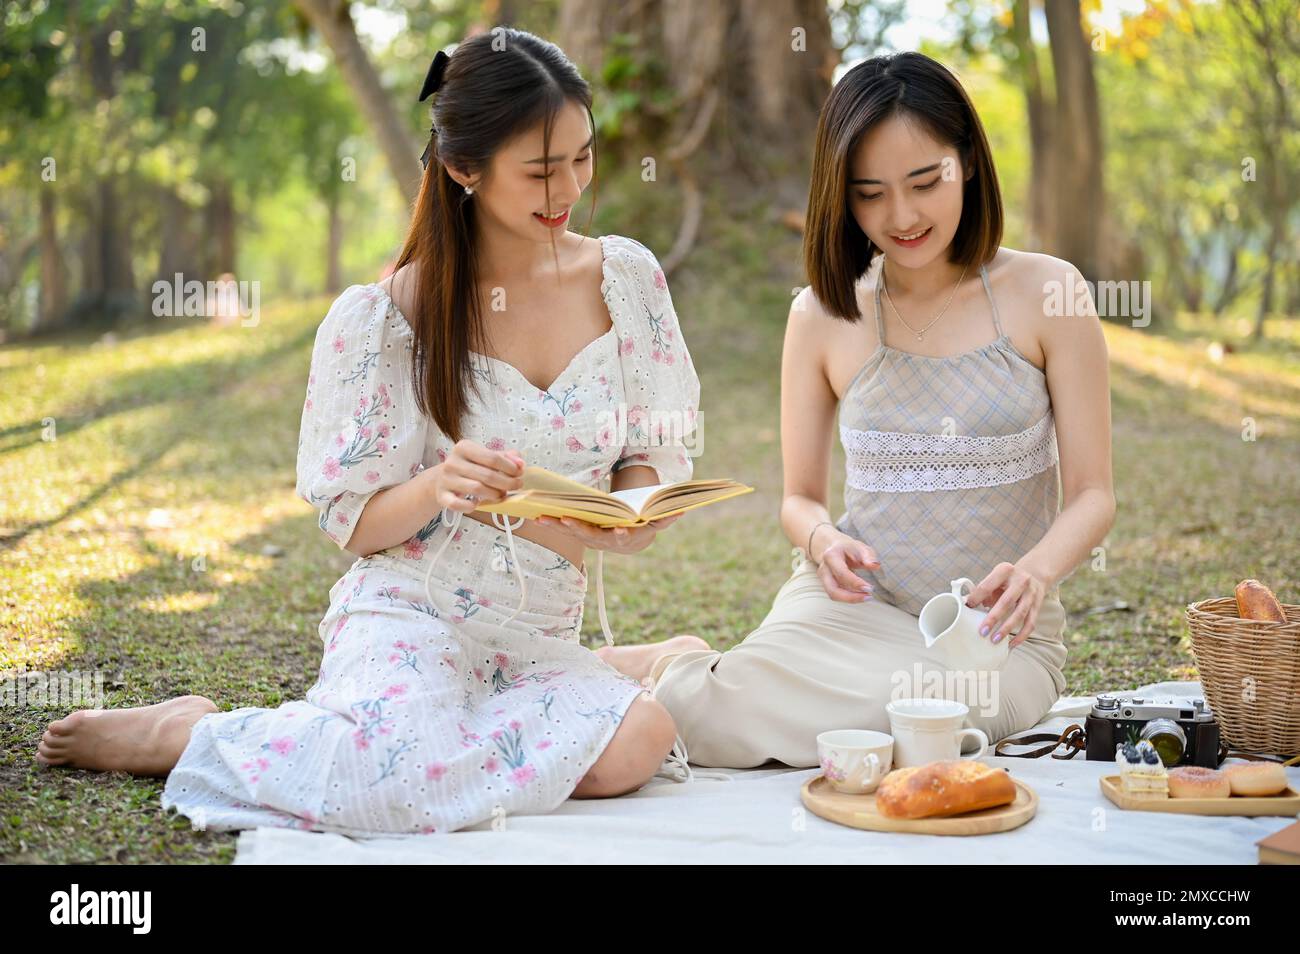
column 1183, row 731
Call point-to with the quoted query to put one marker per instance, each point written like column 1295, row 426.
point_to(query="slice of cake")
column 1141, row 773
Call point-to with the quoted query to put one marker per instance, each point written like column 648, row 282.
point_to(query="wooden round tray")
column 859, row 811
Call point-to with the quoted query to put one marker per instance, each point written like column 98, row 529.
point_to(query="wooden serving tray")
column 859, row 811
column 1283, row 803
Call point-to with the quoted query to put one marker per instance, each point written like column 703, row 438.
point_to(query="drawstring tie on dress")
column 677, row 766
column 453, row 524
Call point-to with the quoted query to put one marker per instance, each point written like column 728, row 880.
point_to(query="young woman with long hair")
column 501, row 339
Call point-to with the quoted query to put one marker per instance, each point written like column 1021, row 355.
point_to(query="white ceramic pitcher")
column 946, row 621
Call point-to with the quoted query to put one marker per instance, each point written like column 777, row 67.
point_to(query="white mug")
column 855, row 760
column 930, row 730
column 946, row 620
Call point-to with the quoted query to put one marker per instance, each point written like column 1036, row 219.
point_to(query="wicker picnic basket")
column 1250, row 672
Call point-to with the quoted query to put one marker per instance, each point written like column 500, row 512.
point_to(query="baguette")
column 950, row 787
column 1256, row 601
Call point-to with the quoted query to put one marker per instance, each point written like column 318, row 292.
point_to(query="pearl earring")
column 469, row 190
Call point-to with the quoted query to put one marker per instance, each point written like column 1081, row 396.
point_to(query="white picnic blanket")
column 758, row 818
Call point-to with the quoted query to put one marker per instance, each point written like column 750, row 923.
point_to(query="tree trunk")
column 1293, row 298
column 220, row 229
column 113, row 242
column 1041, row 212
column 1077, row 173
column 1173, row 241
column 579, row 30
column 333, row 21
column 1228, row 290
column 180, row 240
column 54, row 290
column 109, row 286
column 1269, row 113
column 1275, row 232
column 749, row 78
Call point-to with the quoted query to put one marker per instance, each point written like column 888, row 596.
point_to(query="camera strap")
column 1072, row 737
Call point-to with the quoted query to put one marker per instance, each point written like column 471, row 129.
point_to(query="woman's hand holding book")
column 613, row 539
column 473, row 474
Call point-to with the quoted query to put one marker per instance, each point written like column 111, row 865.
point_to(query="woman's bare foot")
column 146, row 740
column 637, row 661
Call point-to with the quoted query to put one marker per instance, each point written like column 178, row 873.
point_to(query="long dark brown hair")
column 836, row 250
column 496, row 85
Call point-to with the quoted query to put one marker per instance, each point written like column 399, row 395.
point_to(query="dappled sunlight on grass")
column 148, row 484
column 1222, row 392
column 190, row 602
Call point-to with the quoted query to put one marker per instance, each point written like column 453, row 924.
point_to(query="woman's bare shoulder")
column 818, row 340
column 400, row 288
column 1027, row 274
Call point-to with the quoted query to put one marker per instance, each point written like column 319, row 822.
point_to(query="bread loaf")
column 1256, row 601
column 943, row 788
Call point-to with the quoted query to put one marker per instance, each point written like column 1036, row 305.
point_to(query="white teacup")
column 955, row 627
column 855, row 760
column 930, row 730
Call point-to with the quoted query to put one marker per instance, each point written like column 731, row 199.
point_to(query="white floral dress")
column 436, row 708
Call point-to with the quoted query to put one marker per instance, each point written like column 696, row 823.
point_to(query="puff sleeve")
column 361, row 430
column 661, row 387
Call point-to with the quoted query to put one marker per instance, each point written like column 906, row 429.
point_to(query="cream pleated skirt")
column 816, row 664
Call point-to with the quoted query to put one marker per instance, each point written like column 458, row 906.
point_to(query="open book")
column 548, row 494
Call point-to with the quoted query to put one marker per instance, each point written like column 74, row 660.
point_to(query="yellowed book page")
column 546, row 493
column 539, row 478
column 666, row 507
column 522, row 506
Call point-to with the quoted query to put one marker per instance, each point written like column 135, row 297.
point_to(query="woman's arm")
column 1078, row 380
column 808, row 406
column 395, row 514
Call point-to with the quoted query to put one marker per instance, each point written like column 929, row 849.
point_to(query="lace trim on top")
column 901, row 462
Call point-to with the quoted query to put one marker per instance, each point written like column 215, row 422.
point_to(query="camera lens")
column 1167, row 738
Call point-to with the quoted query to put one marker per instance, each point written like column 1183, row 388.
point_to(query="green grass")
column 158, row 539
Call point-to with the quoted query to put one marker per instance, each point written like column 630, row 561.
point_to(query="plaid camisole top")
column 951, row 463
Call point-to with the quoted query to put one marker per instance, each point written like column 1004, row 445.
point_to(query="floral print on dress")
column 364, row 438
column 373, row 717
column 404, row 654
column 661, row 337
column 415, row 546
column 502, row 682
column 568, row 402
column 509, row 742
column 344, row 615
column 361, row 431
column 467, row 604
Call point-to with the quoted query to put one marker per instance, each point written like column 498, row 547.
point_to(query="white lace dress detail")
column 902, row 462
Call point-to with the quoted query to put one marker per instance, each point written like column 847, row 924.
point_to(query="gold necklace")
column 919, row 334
